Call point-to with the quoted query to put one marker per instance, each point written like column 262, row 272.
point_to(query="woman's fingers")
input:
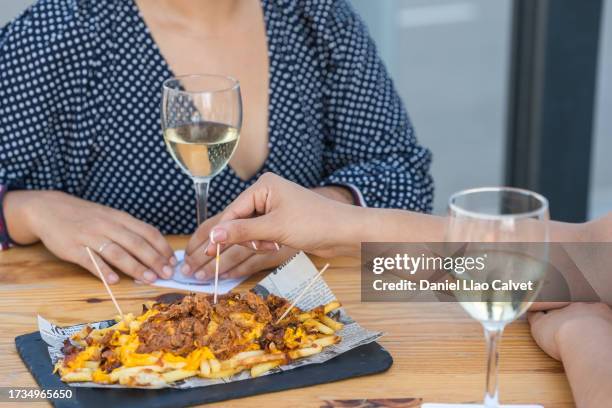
column 260, row 262
column 85, row 261
column 543, row 306
column 151, row 235
column 198, row 259
column 260, row 246
column 533, row 317
column 143, row 250
column 229, row 259
column 242, row 230
column 115, row 255
column 251, row 202
column 200, row 236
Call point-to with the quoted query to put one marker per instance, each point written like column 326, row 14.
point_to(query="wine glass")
column 201, row 117
column 508, row 228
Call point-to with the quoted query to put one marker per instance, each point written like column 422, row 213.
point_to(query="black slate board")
column 367, row 359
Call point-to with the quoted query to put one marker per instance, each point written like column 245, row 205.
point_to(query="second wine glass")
column 507, row 228
column 201, row 118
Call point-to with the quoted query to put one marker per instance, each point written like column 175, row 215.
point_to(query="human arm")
column 370, row 142
column 275, row 209
column 44, row 148
column 580, row 336
column 67, row 224
column 236, row 260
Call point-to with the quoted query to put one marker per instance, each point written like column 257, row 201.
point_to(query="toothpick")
column 297, row 299
column 216, row 273
column 104, row 281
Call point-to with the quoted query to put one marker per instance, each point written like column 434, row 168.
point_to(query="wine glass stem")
column 493, row 337
column 201, row 188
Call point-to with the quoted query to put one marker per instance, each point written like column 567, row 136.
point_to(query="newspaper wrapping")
column 286, row 281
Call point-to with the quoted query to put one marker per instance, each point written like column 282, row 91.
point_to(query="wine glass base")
column 430, row 405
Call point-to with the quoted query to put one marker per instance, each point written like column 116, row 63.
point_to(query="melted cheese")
column 90, row 353
column 100, row 376
column 294, row 338
column 192, row 361
column 253, row 334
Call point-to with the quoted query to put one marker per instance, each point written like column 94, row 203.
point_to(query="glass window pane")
column 601, row 170
column 10, row 9
column 449, row 60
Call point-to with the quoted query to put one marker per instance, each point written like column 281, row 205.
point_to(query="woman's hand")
column 580, row 335
column 277, row 211
column 235, row 260
column 66, row 224
column 555, row 329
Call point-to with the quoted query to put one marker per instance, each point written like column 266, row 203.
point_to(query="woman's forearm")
column 386, row 225
column 586, row 352
column 352, row 225
column 599, row 230
column 17, row 214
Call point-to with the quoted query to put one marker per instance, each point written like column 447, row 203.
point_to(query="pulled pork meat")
column 70, row 351
column 224, row 342
column 181, row 327
column 109, row 360
column 278, row 305
column 178, row 328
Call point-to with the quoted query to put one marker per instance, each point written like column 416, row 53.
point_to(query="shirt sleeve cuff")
column 5, row 240
column 356, row 193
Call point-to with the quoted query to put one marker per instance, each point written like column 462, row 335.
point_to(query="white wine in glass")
column 201, row 120
column 202, row 149
column 509, row 228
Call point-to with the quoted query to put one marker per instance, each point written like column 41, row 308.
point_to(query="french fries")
column 318, row 326
column 120, row 374
column 83, row 374
column 327, row 341
column 315, row 331
column 331, row 323
column 263, row 368
column 305, row 352
column 331, row 306
column 176, row 375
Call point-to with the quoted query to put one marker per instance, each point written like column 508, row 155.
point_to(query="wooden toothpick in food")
column 216, row 273
column 297, row 299
column 217, row 259
column 104, row 281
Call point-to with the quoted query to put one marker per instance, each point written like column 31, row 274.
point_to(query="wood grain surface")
column 439, row 351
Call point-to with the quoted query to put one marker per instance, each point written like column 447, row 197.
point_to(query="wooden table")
column 439, row 352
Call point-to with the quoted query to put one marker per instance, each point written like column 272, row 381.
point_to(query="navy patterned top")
column 80, row 92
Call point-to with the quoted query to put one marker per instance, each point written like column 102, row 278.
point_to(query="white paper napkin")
column 181, row 282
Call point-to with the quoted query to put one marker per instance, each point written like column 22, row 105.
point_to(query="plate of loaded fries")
column 246, row 343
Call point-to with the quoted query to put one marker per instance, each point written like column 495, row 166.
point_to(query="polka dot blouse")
column 80, row 92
